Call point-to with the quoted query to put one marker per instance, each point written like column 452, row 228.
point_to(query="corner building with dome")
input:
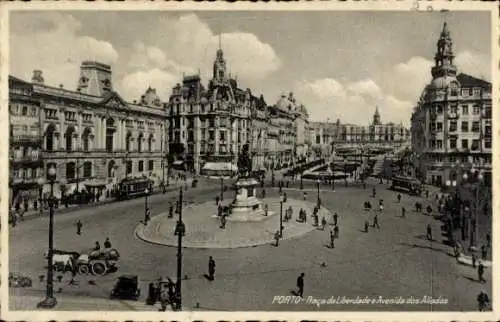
column 451, row 125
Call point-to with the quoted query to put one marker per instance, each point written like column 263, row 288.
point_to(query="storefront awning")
column 220, row 166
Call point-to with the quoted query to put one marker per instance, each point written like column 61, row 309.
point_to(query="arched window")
column 86, row 139
column 49, row 137
column 139, row 142
column 111, row 169
column 25, row 111
column 129, row 167
column 127, row 141
column 150, row 143
column 70, row 170
column 87, row 169
column 141, row 166
column 69, row 138
column 110, row 133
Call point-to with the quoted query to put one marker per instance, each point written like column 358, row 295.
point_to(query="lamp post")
column 301, row 180
column 474, row 229
column 40, row 182
column 221, row 188
column 333, row 175
column 180, row 231
column 281, row 216
column 317, row 185
column 50, row 301
column 146, row 205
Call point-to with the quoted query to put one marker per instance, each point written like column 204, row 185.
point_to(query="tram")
column 134, row 187
column 412, row 185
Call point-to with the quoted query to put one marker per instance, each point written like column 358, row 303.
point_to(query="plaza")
column 394, row 261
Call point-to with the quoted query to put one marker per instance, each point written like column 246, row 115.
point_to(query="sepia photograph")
column 164, row 160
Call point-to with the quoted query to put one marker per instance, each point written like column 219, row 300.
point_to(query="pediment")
column 114, row 101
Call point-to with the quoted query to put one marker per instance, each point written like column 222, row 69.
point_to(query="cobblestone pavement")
column 394, row 261
column 203, row 227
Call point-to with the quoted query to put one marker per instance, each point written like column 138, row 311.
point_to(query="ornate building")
column 452, row 122
column 375, row 135
column 26, row 165
column 95, row 138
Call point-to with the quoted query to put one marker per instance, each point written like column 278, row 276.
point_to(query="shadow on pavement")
column 426, row 247
column 470, row 278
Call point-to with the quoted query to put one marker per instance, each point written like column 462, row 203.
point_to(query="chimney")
column 37, row 77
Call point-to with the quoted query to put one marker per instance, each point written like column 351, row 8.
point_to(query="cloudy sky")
column 339, row 64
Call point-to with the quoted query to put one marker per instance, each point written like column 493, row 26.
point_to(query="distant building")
column 452, row 122
column 25, row 157
column 92, row 136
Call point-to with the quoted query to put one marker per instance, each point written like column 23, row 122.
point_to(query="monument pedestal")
column 246, row 206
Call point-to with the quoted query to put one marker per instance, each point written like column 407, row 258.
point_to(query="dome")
column 442, row 82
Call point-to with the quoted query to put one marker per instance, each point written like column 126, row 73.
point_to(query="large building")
column 91, row 135
column 26, row 164
column 324, row 135
column 207, row 127
column 452, row 124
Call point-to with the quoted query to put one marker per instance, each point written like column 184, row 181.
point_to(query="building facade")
column 210, row 125
column 452, row 122
column 25, row 158
column 93, row 137
column 324, row 135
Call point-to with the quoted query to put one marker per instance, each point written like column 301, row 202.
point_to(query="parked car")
column 126, row 288
column 17, row 280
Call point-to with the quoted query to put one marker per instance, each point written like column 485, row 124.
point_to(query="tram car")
column 134, row 187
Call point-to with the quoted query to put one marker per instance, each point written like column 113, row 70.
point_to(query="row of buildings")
column 451, row 126
column 94, row 138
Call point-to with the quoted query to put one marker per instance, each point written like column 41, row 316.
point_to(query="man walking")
column 480, row 272
column 211, row 268
column 335, row 219
column 107, row 243
column 300, row 285
column 336, row 232
column 79, row 226
column 332, row 239
column 403, row 212
column 484, row 252
column 375, row 221
column 277, row 238
column 399, row 197
column 429, row 232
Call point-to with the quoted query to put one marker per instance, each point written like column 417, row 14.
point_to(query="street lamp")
column 40, row 182
column 180, row 231
column 474, row 230
column 50, row 301
column 301, row 180
column 333, row 175
column 146, row 192
column 281, row 215
column 317, row 184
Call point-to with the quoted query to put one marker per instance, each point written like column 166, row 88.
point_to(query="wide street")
column 391, row 262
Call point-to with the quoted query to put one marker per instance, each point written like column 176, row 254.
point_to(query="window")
column 475, row 145
column 465, row 144
column 453, row 126
column 439, row 126
column 487, row 144
column 151, row 165
column 139, row 142
column 87, row 170
column 69, row 139
column 477, row 91
column 25, row 111
column 465, row 92
column 475, row 109
column 465, row 109
column 465, row 126
column 211, row 135
column 439, row 144
column 475, row 126
column 222, row 135
column 140, row 167
column 453, row 143
column 487, row 131
column 110, row 134
column 190, row 136
column 70, row 170
column 211, row 123
column 439, row 109
column 127, row 141
column 453, row 89
column 454, row 109
column 129, row 167
column 150, row 143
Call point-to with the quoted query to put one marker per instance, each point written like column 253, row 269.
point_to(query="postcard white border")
column 6, row 7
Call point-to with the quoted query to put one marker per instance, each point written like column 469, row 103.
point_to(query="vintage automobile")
column 17, row 280
column 95, row 262
column 126, row 288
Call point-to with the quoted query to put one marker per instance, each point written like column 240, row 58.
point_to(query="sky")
column 338, row 64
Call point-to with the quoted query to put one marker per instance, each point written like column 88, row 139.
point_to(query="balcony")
column 27, row 160
column 25, row 139
column 453, row 116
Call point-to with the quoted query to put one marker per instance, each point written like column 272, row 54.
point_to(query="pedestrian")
column 429, row 232
column 335, row 219
column 277, row 238
column 323, row 223
column 381, row 207
column 266, row 209
column 79, row 226
column 211, row 268
column 97, row 246
column 374, row 192
column 488, row 239
column 107, row 243
column 223, row 222
column 217, row 200
column 336, row 232
column 403, row 212
column 482, row 301
column 364, row 185
column 332, row 239
column 474, row 259
column 484, row 252
column 170, row 210
column 367, row 224
column 263, row 193
column 399, row 197
column 284, row 196
column 300, row 285
column 480, row 272
column 375, row 222
column 147, row 216
column 164, row 298
column 305, row 195
column 427, row 194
